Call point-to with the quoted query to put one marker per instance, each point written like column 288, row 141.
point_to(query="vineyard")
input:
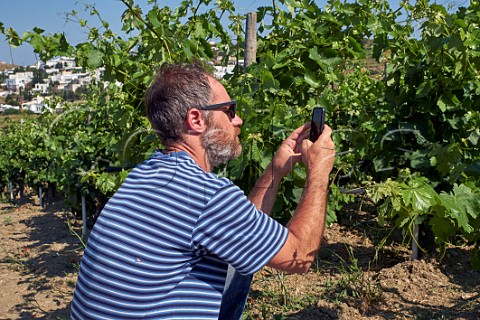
column 406, row 133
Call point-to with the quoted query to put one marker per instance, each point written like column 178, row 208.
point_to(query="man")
column 178, row 242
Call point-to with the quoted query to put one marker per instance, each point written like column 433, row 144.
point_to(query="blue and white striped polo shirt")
column 161, row 246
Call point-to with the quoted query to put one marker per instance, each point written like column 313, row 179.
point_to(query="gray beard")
column 220, row 147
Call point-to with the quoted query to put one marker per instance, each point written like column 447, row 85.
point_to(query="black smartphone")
column 318, row 118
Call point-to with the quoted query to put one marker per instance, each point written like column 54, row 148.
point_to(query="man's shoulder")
column 177, row 167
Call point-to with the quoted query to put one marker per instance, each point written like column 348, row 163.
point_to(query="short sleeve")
column 233, row 229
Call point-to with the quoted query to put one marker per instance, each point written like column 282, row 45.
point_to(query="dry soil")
column 353, row 279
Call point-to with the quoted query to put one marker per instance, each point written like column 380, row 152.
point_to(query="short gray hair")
column 176, row 89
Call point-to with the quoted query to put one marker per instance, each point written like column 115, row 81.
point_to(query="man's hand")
column 319, row 156
column 288, row 154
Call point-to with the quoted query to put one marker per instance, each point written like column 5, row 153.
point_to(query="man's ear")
column 195, row 121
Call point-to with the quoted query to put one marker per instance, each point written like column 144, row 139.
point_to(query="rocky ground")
column 353, row 279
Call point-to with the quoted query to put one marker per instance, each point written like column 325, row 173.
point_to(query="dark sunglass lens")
column 231, row 110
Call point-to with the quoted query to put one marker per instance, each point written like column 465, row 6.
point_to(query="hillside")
column 5, row 66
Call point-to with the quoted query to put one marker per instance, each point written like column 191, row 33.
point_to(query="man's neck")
column 197, row 154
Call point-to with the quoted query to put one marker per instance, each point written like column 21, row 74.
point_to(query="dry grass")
column 14, row 117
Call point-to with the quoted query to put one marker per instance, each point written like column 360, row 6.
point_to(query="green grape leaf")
column 456, row 211
column 94, row 59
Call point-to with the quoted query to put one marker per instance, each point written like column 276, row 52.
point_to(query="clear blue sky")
column 50, row 15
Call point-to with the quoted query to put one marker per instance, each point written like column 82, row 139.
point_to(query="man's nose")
column 237, row 121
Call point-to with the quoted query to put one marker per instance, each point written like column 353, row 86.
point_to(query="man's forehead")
column 217, row 88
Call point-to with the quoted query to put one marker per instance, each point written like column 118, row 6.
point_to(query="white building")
column 52, row 71
column 65, row 61
column 41, row 88
column 37, row 105
column 64, row 78
column 38, row 64
column 14, row 84
column 18, row 80
column 221, row 71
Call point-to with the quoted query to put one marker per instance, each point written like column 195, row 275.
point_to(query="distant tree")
column 38, row 76
column 82, row 91
column 13, row 100
column 69, row 95
column 27, row 95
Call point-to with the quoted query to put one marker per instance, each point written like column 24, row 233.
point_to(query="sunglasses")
column 229, row 107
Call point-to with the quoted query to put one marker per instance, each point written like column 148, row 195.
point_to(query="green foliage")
column 11, row 111
column 108, row 129
column 431, row 100
column 411, row 200
column 13, row 100
column 300, row 64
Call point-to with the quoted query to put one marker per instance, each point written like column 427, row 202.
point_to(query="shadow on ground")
column 49, row 262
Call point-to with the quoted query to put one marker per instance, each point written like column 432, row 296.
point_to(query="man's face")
column 220, row 139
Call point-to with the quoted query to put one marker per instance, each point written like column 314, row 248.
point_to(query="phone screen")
column 318, row 118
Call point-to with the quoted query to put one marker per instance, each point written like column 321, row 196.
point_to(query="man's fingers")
column 306, row 144
column 299, row 131
column 304, row 135
column 297, row 136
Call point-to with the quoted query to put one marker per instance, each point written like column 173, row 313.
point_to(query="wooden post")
column 84, row 216
column 40, row 196
column 10, row 184
column 415, row 239
column 251, row 39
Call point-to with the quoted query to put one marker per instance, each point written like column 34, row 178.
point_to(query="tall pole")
column 251, row 39
column 10, row 184
column 415, row 239
column 84, row 216
column 40, row 196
